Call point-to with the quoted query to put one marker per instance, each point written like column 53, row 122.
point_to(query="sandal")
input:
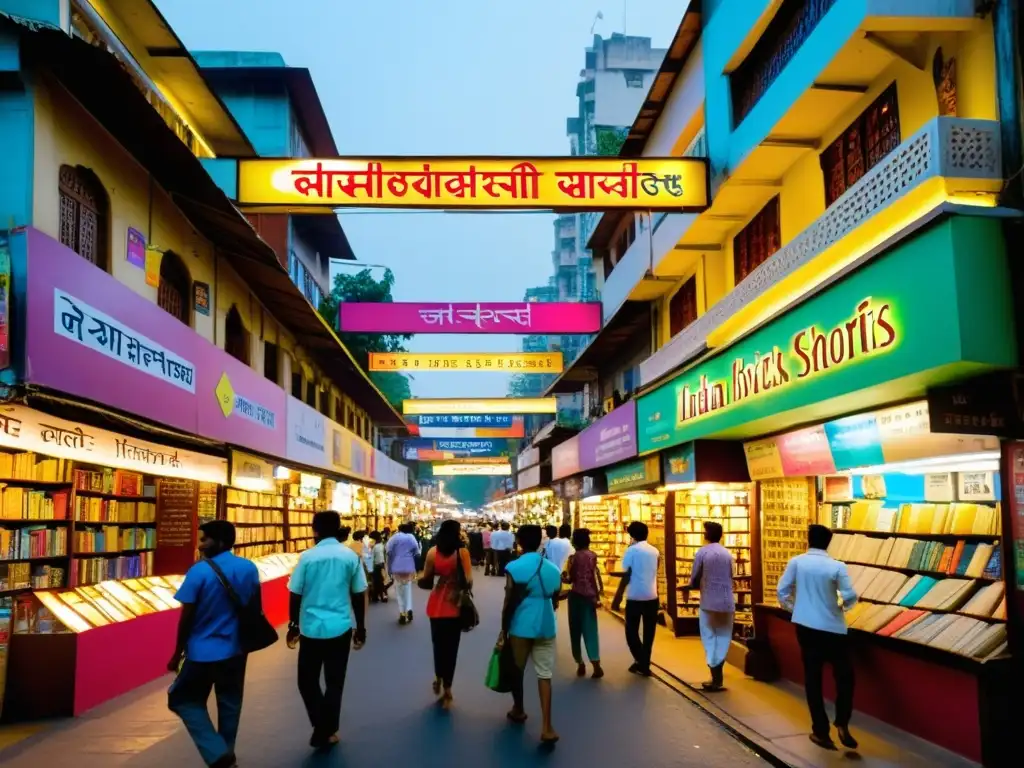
column 437, row 686
column 516, row 717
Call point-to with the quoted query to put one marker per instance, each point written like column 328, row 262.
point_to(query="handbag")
column 469, row 617
column 255, row 632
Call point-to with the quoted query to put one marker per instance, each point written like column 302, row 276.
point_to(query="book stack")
column 989, row 602
column 30, row 504
column 32, row 466
column 254, row 498
column 28, row 575
column 32, row 542
column 96, row 510
column 974, row 560
column 255, row 515
column 260, row 533
column 106, row 539
column 961, row 519
column 94, row 569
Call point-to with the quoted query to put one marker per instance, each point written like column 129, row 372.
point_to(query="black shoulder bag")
column 468, row 614
column 255, row 632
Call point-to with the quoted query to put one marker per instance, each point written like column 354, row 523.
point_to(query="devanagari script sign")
column 518, row 362
column 421, row 406
column 574, row 183
column 470, row 317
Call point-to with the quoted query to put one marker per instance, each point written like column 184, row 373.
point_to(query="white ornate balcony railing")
column 949, row 147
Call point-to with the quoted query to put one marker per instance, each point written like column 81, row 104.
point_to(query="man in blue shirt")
column 209, row 653
column 811, row 588
column 327, row 617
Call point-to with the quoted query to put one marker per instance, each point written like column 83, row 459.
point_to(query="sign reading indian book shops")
column 468, row 317
column 572, row 183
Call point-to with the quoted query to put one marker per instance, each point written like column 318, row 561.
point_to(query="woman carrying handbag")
column 448, row 562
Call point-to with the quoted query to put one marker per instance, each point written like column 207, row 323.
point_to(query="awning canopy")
column 102, row 86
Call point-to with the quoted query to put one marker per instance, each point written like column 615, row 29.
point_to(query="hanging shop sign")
column 895, row 324
column 502, row 405
column 456, row 470
column 475, row 420
column 252, row 473
column 553, row 183
column 565, row 458
column 983, row 405
column 517, row 362
column 679, row 465
column 26, row 429
column 610, row 439
column 470, row 317
column 528, row 478
column 634, row 476
column 454, row 449
column 527, row 458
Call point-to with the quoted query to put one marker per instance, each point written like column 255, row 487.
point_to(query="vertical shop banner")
column 135, row 249
column 805, row 452
column 177, row 504
column 565, row 458
column 679, row 465
column 610, row 439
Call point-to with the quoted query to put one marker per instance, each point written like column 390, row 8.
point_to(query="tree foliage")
column 362, row 287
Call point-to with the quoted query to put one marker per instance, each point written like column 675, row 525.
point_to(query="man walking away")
column 712, row 575
column 209, row 652
column 559, row 547
column 402, row 551
column 502, row 542
column 489, row 567
column 328, row 599
column 640, row 585
column 808, row 589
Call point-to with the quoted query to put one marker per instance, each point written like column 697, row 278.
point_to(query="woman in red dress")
column 444, row 561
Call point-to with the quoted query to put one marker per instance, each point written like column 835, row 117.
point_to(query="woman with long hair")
column 584, row 597
column 448, row 561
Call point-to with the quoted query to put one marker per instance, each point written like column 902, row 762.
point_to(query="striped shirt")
column 712, row 574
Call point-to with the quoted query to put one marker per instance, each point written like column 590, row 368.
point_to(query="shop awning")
column 613, row 342
column 97, row 81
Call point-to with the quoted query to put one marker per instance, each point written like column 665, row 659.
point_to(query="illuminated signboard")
column 490, row 421
column 517, row 430
column 420, row 448
column 501, row 405
column 539, row 183
column 522, row 317
column 519, row 362
column 489, row 470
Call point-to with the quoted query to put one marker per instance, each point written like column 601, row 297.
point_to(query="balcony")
column 950, row 162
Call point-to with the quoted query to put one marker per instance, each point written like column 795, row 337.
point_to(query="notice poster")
column 176, row 523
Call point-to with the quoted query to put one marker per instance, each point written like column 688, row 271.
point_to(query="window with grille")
column 236, row 338
column 758, row 241
column 682, row 308
column 175, row 285
column 83, row 214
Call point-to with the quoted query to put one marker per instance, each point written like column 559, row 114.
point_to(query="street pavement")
column 390, row 717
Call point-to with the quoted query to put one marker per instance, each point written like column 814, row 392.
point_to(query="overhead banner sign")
column 519, row 362
column 450, row 433
column 517, row 405
column 469, row 317
column 546, row 183
column 435, row 449
column 488, row 470
column 489, row 421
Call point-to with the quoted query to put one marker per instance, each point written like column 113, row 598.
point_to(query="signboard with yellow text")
column 486, row 470
column 546, row 183
column 518, row 362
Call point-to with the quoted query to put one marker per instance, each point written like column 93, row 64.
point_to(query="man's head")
column 819, row 537
column 344, row 533
column 359, row 535
column 326, row 525
column 713, row 532
column 375, row 535
column 529, row 537
column 216, row 536
column 551, row 531
column 637, row 531
column 564, row 531
column 505, row 526
column 581, row 538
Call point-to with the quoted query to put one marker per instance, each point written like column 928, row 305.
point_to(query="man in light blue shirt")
column 502, row 542
column 328, row 598
column 811, row 589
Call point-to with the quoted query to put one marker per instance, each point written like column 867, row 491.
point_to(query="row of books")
column 96, row 510
column 251, row 515
column 256, row 550
column 254, row 498
column 117, row 482
column 971, row 559
column 910, row 591
column 91, row 570
column 18, row 503
column 259, row 533
column 947, row 631
column 300, row 520
column 21, row 543
column 114, row 539
column 34, row 466
column 924, row 519
column 30, row 575
column 687, row 522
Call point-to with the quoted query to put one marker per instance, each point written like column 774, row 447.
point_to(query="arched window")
column 236, row 338
column 175, row 285
column 84, row 214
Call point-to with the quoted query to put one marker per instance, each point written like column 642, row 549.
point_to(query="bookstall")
column 257, row 503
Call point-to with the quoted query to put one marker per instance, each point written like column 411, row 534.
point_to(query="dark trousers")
column 323, row 705
column 187, row 699
column 445, row 634
column 504, row 557
column 490, row 567
column 647, row 612
column 377, row 590
column 819, row 648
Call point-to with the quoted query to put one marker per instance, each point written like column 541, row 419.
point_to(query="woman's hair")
column 448, row 537
column 529, row 537
column 581, row 538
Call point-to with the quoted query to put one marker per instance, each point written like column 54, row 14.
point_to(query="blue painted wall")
column 17, row 127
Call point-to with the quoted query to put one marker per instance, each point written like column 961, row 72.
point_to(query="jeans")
column 323, row 705
column 647, row 612
column 583, row 625
column 189, row 693
column 445, row 635
column 819, row 648
column 403, row 591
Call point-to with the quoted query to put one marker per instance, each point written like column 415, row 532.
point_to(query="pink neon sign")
column 470, row 317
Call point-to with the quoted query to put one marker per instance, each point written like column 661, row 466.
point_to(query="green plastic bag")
column 501, row 669
column 493, row 677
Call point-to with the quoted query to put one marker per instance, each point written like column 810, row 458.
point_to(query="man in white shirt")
column 811, row 589
column 640, row 585
column 559, row 548
column 502, row 542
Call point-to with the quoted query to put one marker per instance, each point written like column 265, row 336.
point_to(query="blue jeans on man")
column 188, row 696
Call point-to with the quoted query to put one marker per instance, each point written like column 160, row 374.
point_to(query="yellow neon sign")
column 556, row 183
column 499, row 405
column 519, row 362
column 487, row 470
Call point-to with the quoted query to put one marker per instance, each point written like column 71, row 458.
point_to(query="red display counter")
column 67, row 674
column 942, row 697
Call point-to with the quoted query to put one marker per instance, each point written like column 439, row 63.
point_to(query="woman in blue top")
column 532, row 585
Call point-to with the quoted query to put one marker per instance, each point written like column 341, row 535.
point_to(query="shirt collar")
column 328, row 542
column 817, row 552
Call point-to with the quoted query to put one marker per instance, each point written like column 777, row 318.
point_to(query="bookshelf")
column 259, row 520
column 730, row 506
column 787, row 507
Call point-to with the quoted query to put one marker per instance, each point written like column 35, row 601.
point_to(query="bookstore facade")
column 98, row 524
column 884, row 408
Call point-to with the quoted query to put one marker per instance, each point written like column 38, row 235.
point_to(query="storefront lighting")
column 253, row 484
column 592, row 500
column 987, row 461
column 282, row 473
